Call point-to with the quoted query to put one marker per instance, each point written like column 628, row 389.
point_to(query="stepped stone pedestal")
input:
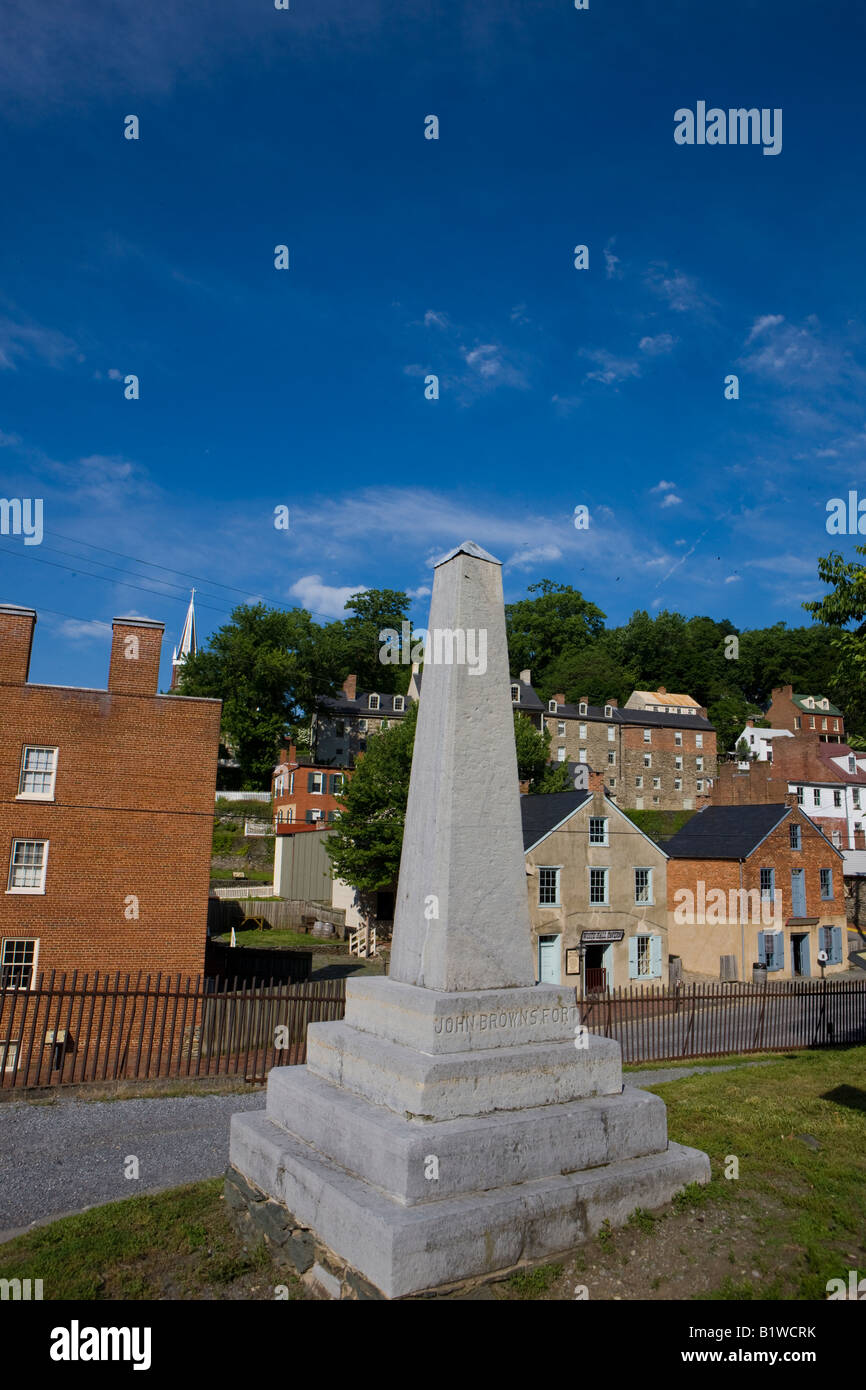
column 457, row 1122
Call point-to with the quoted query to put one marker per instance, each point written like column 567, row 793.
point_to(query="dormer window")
column 515, row 694
column 852, row 764
column 809, row 702
column 552, row 706
column 608, row 711
column 373, row 702
column 582, row 709
column 825, row 703
column 399, row 704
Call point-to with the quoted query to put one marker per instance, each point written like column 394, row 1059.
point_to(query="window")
column 290, row 814
column 372, row 701
column 548, row 887
column 291, row 783
column 826, row 884
column 316, row 783
column 611, row 781
column 582, row 731
column 823, row 723
column 699, row 740
column 336, row 783
column 816, row 796
column 678, row 764
column 280, row 786
column 678, row 784
column 768, row 884
column 699, row 785
column 515, row 693
column 8, row 1054
column 852, row 764
column 608, row 711
column 362, row 726
column 17, row 963
column 339, row 727
column 552, row 706
column 611, row 758
column 794, row 832
column 643, row 885
column 598, row 886
column 797, row 721
column 27, row 866
column 314, row 815
column 647, row 735
column 644, row 957
column 837, row 798
column 647, row 759
column 598, row 830
column 855, row 797
column 829, row 940
column 611, row 733
column 837, row 838
column 38, row 770
column 333, row 815
column 657, row 782
column 801, row 796
column 835, row 726
column 582, row 709
column 560, row 728
column 560, row 755
column 398, row 704
column 583, row 755
column 678, row 738
column 699, row 764
column 384, row 724
column 638, row 781
column 811, row 721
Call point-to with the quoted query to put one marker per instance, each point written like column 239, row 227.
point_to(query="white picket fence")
column 362, row 942
column 242, row 796
column 244, row 890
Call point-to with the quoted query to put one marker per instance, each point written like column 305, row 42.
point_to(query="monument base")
column 370, row 1242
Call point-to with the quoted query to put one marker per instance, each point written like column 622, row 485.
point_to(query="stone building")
column 596, row 885
column 106, row 814
column 343, row 723
column 760, row 883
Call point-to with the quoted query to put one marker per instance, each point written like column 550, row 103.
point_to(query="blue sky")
column 305, row 387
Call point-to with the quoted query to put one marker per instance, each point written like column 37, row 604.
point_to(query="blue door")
column 548, row 960
column 798, row 893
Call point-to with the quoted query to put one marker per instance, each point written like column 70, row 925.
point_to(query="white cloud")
column 423, row 591
column 22, row 342
column 610, row 369
column 763, row 323
column 611, row 262
column 670, row 499
column 490, row 363
column 531, row 556
column 76, row 630
column 327, row 600
column 682, row 292
column 655, row 347
column 663, row 486
column 114, row 374
column 434, row 319
column 733, row 579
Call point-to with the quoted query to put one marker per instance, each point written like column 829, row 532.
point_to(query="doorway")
column 596, row 969
column 800, row 953
column 548, row 960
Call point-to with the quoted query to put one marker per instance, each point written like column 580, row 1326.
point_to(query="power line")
column 86, row 574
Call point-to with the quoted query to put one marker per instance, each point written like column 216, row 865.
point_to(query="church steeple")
column 188, row 644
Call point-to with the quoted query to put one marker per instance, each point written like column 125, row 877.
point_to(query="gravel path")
column 61, row 1158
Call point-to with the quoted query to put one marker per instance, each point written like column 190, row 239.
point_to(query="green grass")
column 535, row 1282
column 295, row 940
column 731, row 1059
column 660, row 825
column 175, row 1244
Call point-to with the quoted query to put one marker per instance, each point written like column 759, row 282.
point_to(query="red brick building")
column 757, row 882
column 809, row 715
column 304, row 794
column 106, row 814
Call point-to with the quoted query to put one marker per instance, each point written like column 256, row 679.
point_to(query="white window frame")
column 608, row 711
column 581, row 732
column 678, row 764
column 598, row 902
column 611, row 733
column 515, row 694
column 320, row 789
column 9, row 1049
column 583, row 709
column 399, row 708
column 638, row 781
column 699, row 764
column 552, row 707
column 605, row 840
column 647, row 759
column 647, row 735
column 678, row 738
column 552, row 869
column 699, row 740
column 37, row 796
column 611, row 757
column 362, row 726
column 649, row 900
column 560, row 755
column 699, row 785
column 560, row 728
column 657, row 784
column 31, row 892
column 678, row 784
column 9, row 941
column 370, row 704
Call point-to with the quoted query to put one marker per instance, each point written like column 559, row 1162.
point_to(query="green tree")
column 372, row 612
column 837, row 611
column 539, row 629
column 366, row 842
column 533, row 748
column 728, row 715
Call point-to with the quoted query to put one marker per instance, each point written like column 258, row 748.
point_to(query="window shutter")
column 778, row 951
column 335, row 783
column 632, row 958
column 835, row 952
column 309, row 818
column 310, row 781
column 655, row 955
column 761, row 948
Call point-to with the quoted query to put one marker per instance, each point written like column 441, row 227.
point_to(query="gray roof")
column 725, row 832
column 644, row 717
column 540, row 814
column 359, row 707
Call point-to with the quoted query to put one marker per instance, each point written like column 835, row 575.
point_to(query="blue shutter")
column 335, row 783
column 761, row 951
column 655, row 955
column 310, row 776
column 835, row 952
column 632, row 957
column 776, row 947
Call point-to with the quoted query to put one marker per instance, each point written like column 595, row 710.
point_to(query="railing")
column 656, row 1024
column 68, row 1030
column 362, row 942
column 235, row 892
column 242, row 796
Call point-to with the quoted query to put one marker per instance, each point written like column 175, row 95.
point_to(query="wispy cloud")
column 532, row 556
column 609, row 368
column 664, row 486
column 611, row 262
column 328, row 600
column 670, row 499
column 657, row 346
column 680, row 291
column 25, row 342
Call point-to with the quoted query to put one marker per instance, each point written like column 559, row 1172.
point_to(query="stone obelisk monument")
column 458, row 1122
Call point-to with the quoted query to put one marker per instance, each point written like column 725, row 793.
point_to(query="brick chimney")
column 558, row 697
column 526, row 676
column 136, row 644
column 584, row 700
column 350, row 686
column 662, row 690
column 612, row 702
column 750, row 723
column 16, row 640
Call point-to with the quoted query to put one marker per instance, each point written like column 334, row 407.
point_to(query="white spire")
column 188, row 644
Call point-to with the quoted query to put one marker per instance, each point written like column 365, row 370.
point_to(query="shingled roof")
column 541, row 814
column 726, row 832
